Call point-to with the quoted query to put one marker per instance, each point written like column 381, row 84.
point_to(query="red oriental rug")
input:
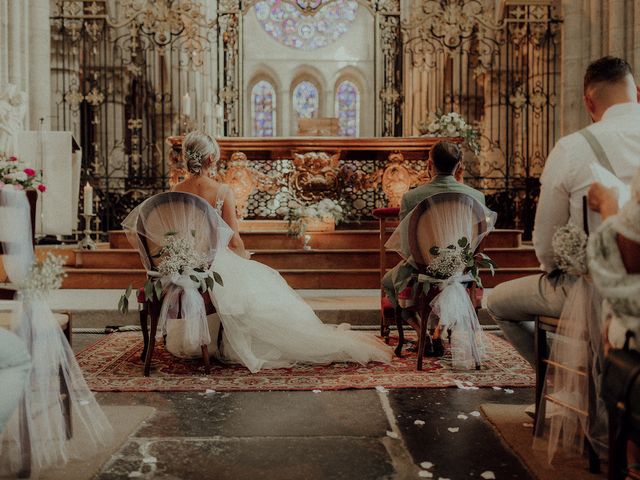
column 113, row 365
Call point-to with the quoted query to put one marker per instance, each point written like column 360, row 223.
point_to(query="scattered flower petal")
column 150, row 459
column 392, row 434
column 453, row 429
column 419, row 422
column 462, row 416
column 425, row 474
column 488, row 475
column 316, row 391
column 381, row 389
column 209, row 391
column 475, row 413
column 465, row 385
column 497, row 388
column 426, row 465
column 508, row 390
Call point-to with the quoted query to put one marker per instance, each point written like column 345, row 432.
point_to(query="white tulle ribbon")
column 455, row 311
column 183, row 299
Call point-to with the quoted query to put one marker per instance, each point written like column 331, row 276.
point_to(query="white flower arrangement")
column 447, row 263
column 569, row 245
column 45, row 275
column 326, row 210
column 177, row 257
column 453, row 125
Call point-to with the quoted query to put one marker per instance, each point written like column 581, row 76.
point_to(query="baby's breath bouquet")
column 325, row 210
column 45, row 275
column 178, row 256
column 456, row 260
column 569, row 245
column 451, row 125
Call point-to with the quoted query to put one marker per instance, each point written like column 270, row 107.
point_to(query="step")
column 339, row 239
column 513, row 257
column 299, row 279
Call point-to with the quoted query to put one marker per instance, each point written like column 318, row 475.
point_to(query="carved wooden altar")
column 267, row 173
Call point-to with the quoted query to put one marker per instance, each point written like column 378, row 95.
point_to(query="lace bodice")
column 220, row 199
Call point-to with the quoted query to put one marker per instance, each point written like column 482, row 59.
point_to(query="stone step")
column 339, row 239
column 303, row 259
column 95, row 278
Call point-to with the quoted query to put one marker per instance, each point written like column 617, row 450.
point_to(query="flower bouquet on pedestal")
column 316, row 217
column 451, row 125
column 18, row 176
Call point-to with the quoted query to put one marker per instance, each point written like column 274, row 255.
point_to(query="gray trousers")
column 514, row 305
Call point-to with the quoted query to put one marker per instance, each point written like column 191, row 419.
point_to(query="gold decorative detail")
column 95, row 97
column 74, row 98
column 315, row 175
column 397, row 178
column 518, row 99
column 244, row 180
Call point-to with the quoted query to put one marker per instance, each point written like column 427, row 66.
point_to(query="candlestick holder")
column 87, row 242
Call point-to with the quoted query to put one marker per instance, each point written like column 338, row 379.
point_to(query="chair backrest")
column 178, row 212
column 441, row 220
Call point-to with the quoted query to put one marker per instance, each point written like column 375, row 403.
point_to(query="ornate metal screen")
column 499, row 69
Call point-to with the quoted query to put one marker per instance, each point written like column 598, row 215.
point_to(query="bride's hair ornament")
column 197, row 147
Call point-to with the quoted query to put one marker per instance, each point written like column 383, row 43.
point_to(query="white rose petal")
column 462, row 416
column 316, row 391
column 392, row 434
column 475, row 413
column 488, row 475
column 426, row 465
column 508, row 390
column 381, row 389
column 425, row 474
column 453, row 429
column 419, row 422
column 497, row 388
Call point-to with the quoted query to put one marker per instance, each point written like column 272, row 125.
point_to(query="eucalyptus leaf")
column 193, row 233
column 170, row 233
column 435, row 251
column 148, row 291
column 218, row 279
column 209, row 282
column 463, row 242
column 195, row 279
column 158, row 289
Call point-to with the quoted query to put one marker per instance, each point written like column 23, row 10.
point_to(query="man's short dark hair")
column 445, row 157
column 606, row 70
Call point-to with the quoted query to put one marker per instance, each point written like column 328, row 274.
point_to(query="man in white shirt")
column 613, row 142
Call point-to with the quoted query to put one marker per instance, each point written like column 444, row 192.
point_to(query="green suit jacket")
column 440, row 184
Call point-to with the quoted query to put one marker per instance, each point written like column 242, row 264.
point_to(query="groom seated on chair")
column 446, row 170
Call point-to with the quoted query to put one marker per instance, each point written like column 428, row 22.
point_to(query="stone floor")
column 357, row 434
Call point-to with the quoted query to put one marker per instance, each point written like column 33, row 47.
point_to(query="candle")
column 88, row 199
column 186, row 105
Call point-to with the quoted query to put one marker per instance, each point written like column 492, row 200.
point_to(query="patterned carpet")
column 113, row 365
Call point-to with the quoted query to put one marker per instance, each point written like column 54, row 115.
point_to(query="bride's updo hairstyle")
column 199, row 151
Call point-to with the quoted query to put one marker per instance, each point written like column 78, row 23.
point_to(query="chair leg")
column 144, row 313
column 541, row 352
column 25, row 441
column 617, row 448
column 400, row 326
column 66, row 404
column 594, row 460
column 205, row 359
column 154, row 310
column 422, row 340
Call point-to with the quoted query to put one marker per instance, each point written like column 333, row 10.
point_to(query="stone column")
column 39, row 85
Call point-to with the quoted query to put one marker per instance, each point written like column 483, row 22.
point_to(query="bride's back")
column 202, row 186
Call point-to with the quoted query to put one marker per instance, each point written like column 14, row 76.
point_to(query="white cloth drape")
column 53, row 362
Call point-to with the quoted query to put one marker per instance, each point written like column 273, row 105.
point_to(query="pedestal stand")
column 87, row 242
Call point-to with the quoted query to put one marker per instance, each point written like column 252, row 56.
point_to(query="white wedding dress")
column 266, row 324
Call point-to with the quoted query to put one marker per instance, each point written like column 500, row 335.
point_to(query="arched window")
column 263, row 109
column 348, row 109
column 305, row 100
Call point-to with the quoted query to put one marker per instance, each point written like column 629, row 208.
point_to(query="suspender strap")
column 596, row 146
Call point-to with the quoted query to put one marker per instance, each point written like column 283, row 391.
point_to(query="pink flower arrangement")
column 14, row 174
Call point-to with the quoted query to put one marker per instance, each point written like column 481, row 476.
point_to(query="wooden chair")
column 7, row 292
column 420, row 242
column 543, row 326
column 387, row 218
column 151, row 308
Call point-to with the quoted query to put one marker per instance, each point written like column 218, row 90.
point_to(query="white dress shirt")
column 567, row 174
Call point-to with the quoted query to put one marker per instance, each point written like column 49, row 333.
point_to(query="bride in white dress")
column 266, row 324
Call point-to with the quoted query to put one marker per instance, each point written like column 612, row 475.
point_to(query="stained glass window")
column 263, row 109
column 348, row 109
column 288, row 25
column 305, row 100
